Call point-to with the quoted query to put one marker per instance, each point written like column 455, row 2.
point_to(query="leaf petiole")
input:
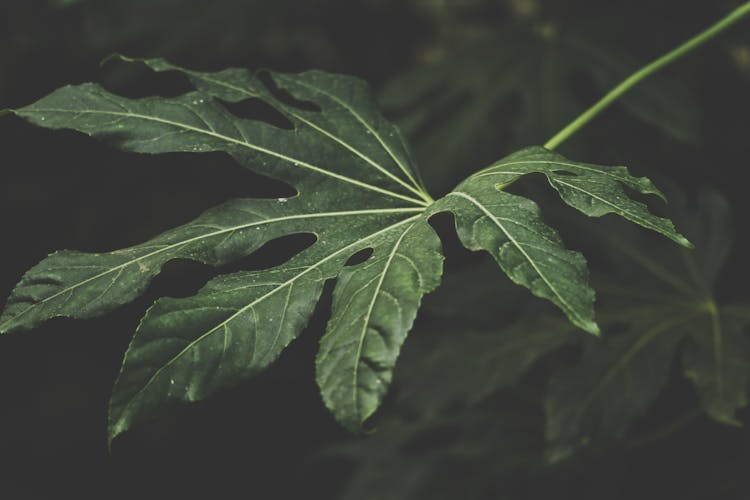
column 614, row 94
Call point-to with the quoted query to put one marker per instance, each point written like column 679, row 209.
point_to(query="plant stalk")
column 647, row 70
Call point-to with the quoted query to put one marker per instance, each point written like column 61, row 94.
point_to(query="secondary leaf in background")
column 515, row 90
column 357, row 190
column 613, row 382
column 662, row 300
column 716, row 360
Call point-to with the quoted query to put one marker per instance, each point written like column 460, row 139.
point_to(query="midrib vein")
column 489, row 170
column 531, row 261
column 205, row 236
column 638, row 218
column 366, row 322
column 260, row 149
column 618, row 209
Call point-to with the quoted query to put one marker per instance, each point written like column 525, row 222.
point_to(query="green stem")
column 647, row 70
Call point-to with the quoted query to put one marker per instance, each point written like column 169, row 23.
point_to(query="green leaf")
column 365, row 197
column 185, row 349
column 377, row 301
column 348, row 104
column 656, row 310
column 615, row 381
column 530, row 252
column 357, row 190
column 593, row 190
column 83, row 285
column 717, row 360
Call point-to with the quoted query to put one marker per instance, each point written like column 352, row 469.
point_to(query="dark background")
column 263, row 439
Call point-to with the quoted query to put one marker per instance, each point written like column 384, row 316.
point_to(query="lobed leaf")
column 717, row 360
column 83, row 285
column 185, row 349
column 615, row 381
column 529, row 252
column 357, row 189
column 593, row 190
column 374, row 305
column 664, row 301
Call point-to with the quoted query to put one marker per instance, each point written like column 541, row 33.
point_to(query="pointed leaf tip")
column 592, row 327
column 685, row 242
column 114, row 430
column 594, row 190
column 114, row 56
column 530, row 252
column 156, row 64
column 356, row 188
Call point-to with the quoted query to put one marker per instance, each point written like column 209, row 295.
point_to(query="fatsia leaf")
column 530, row 252
column 378, row 301
column 615, row 381
column 717, row 360
column 83, row 285
column 658, row 301
column 185, row 349
column 365, row 196
column 620, row 375
column 357, row 191
column 591, row 189
column 717, row 353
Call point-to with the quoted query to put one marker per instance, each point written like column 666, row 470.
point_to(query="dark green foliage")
column 357, row 189
column 493, row 394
